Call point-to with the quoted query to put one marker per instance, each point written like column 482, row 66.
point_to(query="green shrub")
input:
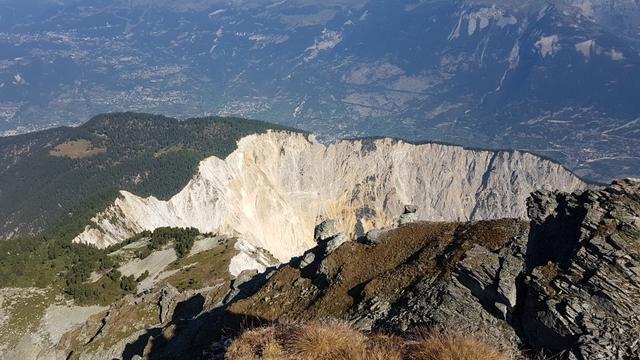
column 128, row 284
column 143, row 276
column 142, row 253
column 183, row 239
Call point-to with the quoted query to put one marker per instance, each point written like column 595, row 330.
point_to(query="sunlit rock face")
column 276, row 187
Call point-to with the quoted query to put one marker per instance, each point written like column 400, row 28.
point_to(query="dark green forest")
column 112, row 285
column 42, row 262
column 47, row 200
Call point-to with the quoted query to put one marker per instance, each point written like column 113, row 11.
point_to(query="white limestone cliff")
column 276, row 187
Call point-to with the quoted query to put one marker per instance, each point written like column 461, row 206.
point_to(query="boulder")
column 408, row 218
column 507, row 291
column 409, row 215
column 478, row 272
column 242, row 284
column 410, row 209
column 169, row 298
column 375, row 236
column 335, row 242
column 325, row 230
column 244, row 277
column 307, row 260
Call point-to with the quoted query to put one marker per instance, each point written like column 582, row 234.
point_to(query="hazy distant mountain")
column 559, row 78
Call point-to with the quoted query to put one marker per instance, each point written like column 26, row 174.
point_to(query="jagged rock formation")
column 273, row 189
column 583, row 283
column 568, row 283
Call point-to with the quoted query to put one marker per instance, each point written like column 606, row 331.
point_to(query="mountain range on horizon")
column 556, row 78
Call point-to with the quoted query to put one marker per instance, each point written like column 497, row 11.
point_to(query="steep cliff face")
column 275, row 188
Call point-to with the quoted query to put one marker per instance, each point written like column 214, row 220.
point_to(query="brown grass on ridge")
column 451, row 346
column 339, row 341
column 403, row 256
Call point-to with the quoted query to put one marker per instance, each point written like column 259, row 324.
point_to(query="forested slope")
column 61, row 177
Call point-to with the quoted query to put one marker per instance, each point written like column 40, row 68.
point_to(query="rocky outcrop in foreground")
column 273, row 189
column 582, row 286
column 566, row 283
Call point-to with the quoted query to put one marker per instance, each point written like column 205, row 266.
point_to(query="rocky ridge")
column 275, row 187
column 583, row 278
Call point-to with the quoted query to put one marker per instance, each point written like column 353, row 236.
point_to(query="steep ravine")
column 276, row 187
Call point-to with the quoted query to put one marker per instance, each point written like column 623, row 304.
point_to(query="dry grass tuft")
column 273, row 350
column 258, row 343
column 451, row 346
column 384, row 347
column 339, row 341
column 336, row 340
